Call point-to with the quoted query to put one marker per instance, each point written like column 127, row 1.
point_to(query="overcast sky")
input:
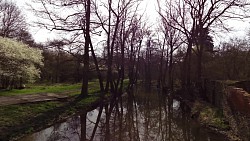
column 42, row 35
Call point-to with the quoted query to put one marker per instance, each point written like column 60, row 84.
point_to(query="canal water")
column 142, row 115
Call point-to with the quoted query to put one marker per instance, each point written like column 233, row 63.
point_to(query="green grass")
column 213, row 117
column 41, row 88
column 86, row 101
column 17, row 120
column 228, row 82
column 70, row 89
column 94, row 87
column 11, row 115
column 210, row 116
column 15, row 114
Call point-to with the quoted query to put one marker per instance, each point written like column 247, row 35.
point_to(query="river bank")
column 26, row 116
column 224, row 109
column 140, row 114
column 22, row 119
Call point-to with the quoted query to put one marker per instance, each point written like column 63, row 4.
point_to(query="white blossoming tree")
column 19, row 63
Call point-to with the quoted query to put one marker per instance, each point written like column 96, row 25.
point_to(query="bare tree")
column 12, row 20
column 25, row 36
column 117, row 25
column 134, row 49
column 74, row 23
column 84, row 19
column 194, row 18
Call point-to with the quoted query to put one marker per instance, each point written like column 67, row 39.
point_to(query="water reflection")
column 140, row 115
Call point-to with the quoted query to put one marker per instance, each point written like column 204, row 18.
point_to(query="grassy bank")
column 71, row 89
column 21, row 119
column 42, row 88
column 209, row 115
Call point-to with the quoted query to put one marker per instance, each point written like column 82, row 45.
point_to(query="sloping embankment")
column 234, row 100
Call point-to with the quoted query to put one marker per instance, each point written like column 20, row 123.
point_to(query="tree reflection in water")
column 139, row 115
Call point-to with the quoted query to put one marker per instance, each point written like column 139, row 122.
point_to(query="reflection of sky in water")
column 144, row 118
column 176, row 104
column 66, row 131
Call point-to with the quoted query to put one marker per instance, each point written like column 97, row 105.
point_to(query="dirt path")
column 30, row 98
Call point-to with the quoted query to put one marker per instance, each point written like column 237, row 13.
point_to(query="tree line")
column 110, row 40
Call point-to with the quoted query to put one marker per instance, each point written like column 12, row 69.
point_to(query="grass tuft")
column 210, row 116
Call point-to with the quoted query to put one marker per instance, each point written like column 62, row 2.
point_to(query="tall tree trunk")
column 187, row 66
column 122, row 63
column 137, row 63
column 160, row 76
column 170, row 71
column 84, row 91
column 110, row 49
column 165, row 70
column 199, row 67
column 161, row 79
